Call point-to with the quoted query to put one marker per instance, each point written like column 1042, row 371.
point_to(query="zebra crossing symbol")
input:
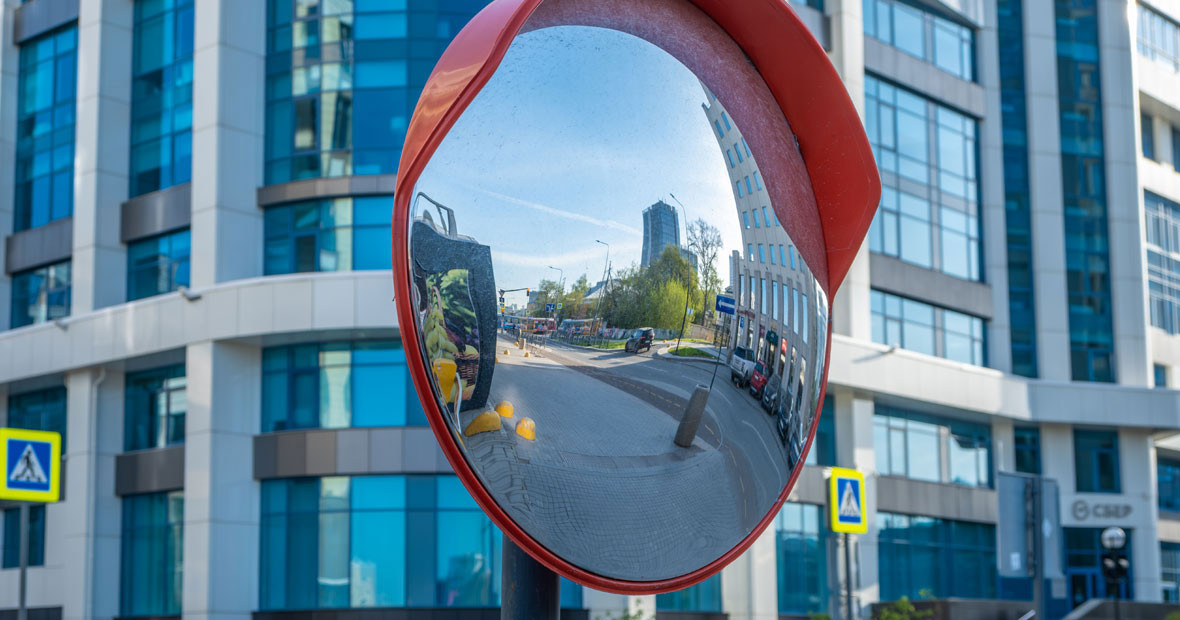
column 847, row 498
column 31, row 465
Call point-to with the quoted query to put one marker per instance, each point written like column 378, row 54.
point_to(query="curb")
column 664, row 354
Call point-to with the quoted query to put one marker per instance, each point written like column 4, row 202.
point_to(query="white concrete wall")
column 101, row 148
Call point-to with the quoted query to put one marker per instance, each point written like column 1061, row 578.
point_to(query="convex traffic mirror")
column 586, row 186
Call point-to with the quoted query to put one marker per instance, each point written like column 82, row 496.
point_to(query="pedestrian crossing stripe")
column 32, row 465
column 846, row 497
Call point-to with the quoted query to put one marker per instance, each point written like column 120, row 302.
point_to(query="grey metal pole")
column 22, row 613
column 528, row 590
column 847, row 578
column 1038, row 536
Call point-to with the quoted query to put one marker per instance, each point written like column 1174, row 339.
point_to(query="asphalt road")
column 604, row 467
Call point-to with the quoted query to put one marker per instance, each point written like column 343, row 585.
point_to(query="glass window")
column 746, row 218
column 1096, row 461
column 725, row 119
column 750, row 251
column 339, row 234
column 152, row 568
column 925, row 557
column 749, row 188
column 782, row 258
column 1176, row 148
column 161, row 95
column 1159, row 37
column 912, row 445
column 12, row 537
column 761, row 253
column 40, row 410
column 903, row 128
column 1027, row 448
column 1087, row 258
column 1147, row 135
column 41, row 294
column 823, row 447
column 703, row 597
column 45, row 129
column 738, row 185
column 1161, row 375
column 923, row 328
column 1168, row 478
column 158, row 265
column 908, row 28
column 757, row 224
column 154, row 406
column 379, row 541
column 773, row 297
column 338, row 385
column 729, row 155
column 342, row 82
column 1170, row 570
column 1162, row 219
column 741, row 158
column 758, row 183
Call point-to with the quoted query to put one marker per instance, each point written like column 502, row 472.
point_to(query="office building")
column 195, row 199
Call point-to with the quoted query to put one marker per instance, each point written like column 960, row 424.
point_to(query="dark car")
column 758, row 379
column 640, row 340
column 770, row 395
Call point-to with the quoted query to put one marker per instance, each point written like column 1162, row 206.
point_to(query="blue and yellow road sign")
column 32, row 465
column 846, row 496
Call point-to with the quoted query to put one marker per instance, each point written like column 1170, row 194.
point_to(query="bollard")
column 691, row 421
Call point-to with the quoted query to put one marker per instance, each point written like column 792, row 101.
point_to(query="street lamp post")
column 1114, row 563
column 602, row 291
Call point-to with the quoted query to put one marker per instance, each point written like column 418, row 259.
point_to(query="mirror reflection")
column 570, row 241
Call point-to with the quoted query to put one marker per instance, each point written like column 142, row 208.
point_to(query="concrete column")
column 82, row 547
column 221, row 505
column 991, row 183
column 229, row 62
column 749, row 589
column 1003, row 446
column 1124, row 200
column 9, row 89
column 850, row 311
column 854, row 449
column 101, row 159
column 1137, row 460
column 1044, row 163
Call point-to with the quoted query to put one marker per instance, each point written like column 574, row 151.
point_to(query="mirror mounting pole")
column 528, row 589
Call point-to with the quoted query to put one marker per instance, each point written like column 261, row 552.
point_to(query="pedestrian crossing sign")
column 846, row 497
column 32, row 465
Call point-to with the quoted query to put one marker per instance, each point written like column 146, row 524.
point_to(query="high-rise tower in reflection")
column 661, row 227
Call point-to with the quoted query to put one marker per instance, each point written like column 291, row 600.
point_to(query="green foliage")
column 691, row 352
column 815, row 616
column 1175, row 615
column 653, row 296
column 902, row 609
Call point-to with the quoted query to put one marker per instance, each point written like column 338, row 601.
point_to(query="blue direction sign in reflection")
column 550, row 307
column 725, row 304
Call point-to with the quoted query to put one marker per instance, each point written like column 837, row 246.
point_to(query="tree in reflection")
column 704, row 240
column 653, row 296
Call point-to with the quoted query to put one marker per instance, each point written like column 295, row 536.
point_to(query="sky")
column 578, row 132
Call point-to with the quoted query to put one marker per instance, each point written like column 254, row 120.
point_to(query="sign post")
column 32, row 474
column 846, row 497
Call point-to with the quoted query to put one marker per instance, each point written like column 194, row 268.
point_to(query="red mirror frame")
column 835, row 151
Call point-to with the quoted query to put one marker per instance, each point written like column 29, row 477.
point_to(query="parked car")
column 741, row 366
column 640, row 340
column 758, row 379
column 770, row 395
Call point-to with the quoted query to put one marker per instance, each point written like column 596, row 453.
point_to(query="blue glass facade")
column 1168, row 483
column 1027, row 449
column 41, row 294
column 927, row 154
column 1083, row 561
column 11, row 550
column 162, row 95
column 802, row 563
column 158, row 265
column 338, row 385
column 823, row 447
column 920, row 33
column 703, row 597
column 925, row 557
column 339, row 234
column 1170, row 571
column 45, row 129
column 928, row 329
column 154, row 406
column 343, row 78
column 1096, row 461
column 40, row 410
column 1162, row 220
column 1017, row 206
column 915, row 445
column 379, row 541
column 152, row 568
column 1083, row 184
